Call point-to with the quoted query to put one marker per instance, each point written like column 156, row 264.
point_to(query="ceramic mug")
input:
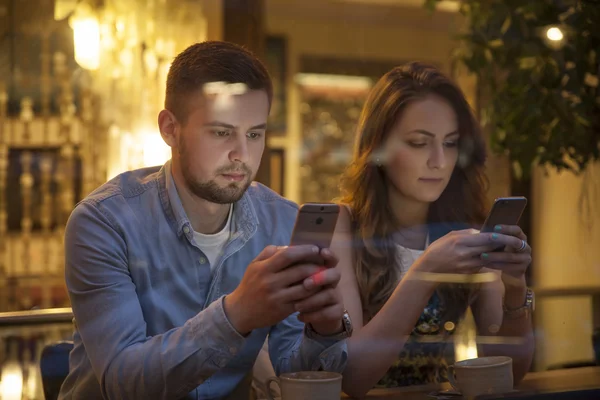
column 308, row 385
column 483, row 375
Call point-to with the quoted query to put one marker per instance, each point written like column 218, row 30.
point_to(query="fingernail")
column 318, row 278
column 315, row 249
column 484, row 256
column 309, row 283
column 326, row 252
column 494, row 236
column 497, row 228
column 281, row 247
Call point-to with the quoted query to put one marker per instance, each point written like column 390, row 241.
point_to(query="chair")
column 54, row 367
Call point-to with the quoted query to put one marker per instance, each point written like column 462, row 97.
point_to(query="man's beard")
column 210, row 190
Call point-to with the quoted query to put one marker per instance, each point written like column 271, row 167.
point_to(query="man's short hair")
column 212, row 61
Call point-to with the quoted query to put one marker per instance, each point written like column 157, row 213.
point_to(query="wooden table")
column 572, row 384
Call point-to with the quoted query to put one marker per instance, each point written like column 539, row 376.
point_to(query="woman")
column 415, row 186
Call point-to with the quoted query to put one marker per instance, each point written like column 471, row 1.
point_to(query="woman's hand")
column 467, row 251
column 457, row 252
column 513, row 262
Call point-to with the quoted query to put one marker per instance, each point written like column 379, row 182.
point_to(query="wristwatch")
column 525, row 310
column 345, row 333
column 347, row 323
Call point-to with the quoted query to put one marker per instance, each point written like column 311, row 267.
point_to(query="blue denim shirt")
column 149, row 313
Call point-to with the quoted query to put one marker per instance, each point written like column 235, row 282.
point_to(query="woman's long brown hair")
column 365, row 186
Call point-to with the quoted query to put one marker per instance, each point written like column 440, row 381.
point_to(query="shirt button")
column 186, row 229
column 202, row 260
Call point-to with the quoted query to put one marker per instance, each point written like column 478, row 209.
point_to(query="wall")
column 351, row 31
column 566, row 255
column 212, row 12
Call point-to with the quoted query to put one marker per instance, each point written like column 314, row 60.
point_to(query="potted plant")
column 538, row 63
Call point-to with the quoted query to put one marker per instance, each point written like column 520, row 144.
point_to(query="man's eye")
column 254, row 135
column 220, row 132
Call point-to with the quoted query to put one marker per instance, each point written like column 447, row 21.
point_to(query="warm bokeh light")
column 155, row 151
column 11, row 385
column 342, row 81
column 465, row 338
column 554, row 34
column 449, row 326
column 86, row 38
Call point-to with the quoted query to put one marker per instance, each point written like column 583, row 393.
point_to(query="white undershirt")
column 406, row 257
column 212, row 245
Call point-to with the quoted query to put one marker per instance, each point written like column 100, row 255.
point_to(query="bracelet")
column 525, row 310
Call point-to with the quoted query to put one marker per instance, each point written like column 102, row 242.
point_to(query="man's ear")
column 169, row 128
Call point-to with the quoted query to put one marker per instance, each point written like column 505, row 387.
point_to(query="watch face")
column 347, row 323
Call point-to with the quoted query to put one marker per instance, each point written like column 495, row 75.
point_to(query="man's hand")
column 271, row 286
column 324, row 309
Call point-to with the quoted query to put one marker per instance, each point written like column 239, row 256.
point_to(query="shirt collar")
column 244, row 221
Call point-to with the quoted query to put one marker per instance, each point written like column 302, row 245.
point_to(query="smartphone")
column 505, row 211
column 315, row 224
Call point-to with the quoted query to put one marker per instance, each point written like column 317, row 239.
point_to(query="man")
column 174, row 274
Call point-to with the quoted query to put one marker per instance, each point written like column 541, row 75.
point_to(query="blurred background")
column 82, row 81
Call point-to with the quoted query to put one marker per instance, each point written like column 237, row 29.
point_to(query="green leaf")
column 488, row 55
column 550, row 127
column 592, row 57
column 494, row 44
column 506, row 25
column 527, row 62
column 590, row 80
column 562, row 17
column 581, row 120
column 430, row 5
column 517, row 169
column 501, row 134
column 465, row 8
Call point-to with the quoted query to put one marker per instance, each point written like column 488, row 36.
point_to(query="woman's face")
column 421, row 149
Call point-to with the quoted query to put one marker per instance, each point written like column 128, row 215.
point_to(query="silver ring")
column 523, row 246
